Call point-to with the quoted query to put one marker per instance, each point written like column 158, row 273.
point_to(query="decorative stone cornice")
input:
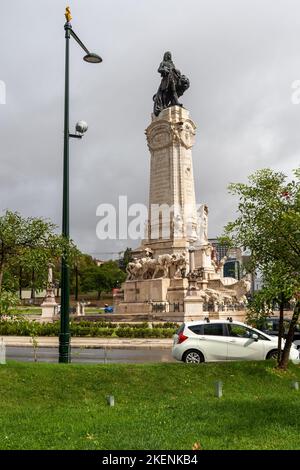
column 162, row 132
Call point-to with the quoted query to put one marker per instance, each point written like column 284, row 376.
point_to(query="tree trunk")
column 76, row 283
column 2, row 262
column 99, row 294
column 32, row 285
column 286, row 352
column 280, row 330
column 20, row 282
column 1, row 276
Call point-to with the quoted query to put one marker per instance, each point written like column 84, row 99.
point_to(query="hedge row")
column 32, row 328
column 105, row 324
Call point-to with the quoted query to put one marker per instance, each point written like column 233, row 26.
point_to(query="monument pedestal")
column 49, row 308
column 141, row 295
column 193, row 308
column 177, row 290
column 146, row 290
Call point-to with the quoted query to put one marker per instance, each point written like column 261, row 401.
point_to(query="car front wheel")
column 193, row 357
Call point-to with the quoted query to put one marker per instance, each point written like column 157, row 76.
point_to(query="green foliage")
column 81, row 263
column 102, row 278
column 268, row 225
column 269, row 220
column 29, row 244
column 258, row 308
column 8, row 300
column 127, row 258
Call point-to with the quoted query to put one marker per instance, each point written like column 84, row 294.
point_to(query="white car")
column 224, row 340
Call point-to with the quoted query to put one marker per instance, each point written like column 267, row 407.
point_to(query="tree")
column 127, row 257
column 268, row 225
column 102, row 278
column 81, row 263
column 30, row 244
column 278, row 290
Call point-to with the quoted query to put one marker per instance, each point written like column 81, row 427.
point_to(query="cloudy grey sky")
column 241, row 56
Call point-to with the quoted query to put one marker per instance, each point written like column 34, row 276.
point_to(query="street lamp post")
column 81, row 127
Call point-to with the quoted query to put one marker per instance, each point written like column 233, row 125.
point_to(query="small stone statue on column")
column 49, row 305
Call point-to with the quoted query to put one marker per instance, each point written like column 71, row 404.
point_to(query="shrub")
column 23, row 327
column 8, row 300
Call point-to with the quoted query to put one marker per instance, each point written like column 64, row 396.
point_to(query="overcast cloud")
column 241, row 56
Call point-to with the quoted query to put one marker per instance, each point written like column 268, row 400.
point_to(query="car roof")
column 205, row 322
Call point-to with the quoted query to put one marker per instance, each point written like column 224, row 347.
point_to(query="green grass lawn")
column 27, row 311
column 157, row 406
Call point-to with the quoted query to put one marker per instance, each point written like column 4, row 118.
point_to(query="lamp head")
column 81, row 127
column 92, row 58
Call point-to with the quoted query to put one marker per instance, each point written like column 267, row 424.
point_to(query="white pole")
column 2, row 352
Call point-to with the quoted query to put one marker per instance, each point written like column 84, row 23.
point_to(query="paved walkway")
column 86, row 342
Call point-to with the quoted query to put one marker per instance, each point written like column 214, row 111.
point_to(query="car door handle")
column 202, row 337
column 232, row 341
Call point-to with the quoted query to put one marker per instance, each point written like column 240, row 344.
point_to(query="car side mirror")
column 254, row 336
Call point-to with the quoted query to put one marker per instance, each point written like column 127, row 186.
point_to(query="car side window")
column 197, row 329
column 239, row 331
column 213, row 329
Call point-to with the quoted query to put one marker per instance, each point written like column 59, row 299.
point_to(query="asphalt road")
column 92, row 356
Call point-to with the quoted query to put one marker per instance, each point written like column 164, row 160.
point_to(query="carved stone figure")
column 180, row 263
column 134, row 270
column 203, row 295
column 163, row 264
column 148, row 269
column 172, row 85
column 50, row 276
column 221, row 264
column 178, row 226
column 218, row 266
column 129, row 269
column 241, row 288
column 203, row 224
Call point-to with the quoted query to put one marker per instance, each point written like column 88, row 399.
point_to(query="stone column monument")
column 163, row 282
column 172, row 221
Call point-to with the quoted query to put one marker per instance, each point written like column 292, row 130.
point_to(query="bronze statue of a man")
column 172, row 85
